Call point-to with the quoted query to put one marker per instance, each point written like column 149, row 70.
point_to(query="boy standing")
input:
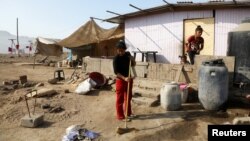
column 121, row 66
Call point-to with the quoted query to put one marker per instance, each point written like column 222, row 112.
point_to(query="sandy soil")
column 95, row 111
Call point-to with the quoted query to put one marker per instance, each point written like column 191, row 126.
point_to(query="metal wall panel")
column 225, row 21
column 161, row 32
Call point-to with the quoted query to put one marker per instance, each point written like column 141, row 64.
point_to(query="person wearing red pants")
column 121, row 69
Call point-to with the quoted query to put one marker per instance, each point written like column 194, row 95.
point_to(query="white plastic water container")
column 171, row 96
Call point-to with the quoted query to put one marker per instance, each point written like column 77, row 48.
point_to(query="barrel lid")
column 214, row 62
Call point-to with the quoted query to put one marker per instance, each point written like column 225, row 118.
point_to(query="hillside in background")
column 5, row 42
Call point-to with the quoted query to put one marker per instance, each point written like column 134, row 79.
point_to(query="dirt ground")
column 95, row 111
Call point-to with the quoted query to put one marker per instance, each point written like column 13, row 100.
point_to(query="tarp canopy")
column 47, row 47
column 91, row 33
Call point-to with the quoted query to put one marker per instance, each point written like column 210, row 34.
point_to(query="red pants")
column 121, row 98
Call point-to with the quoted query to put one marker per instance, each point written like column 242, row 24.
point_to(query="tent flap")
column 91, row 33
column 47, row 47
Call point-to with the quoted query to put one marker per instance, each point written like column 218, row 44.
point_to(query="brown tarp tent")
column 47, row 47
column 91, row 33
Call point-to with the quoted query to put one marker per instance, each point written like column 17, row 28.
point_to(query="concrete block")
column 107, row 67
column 241, row 120
column 93, row 64
column 140, row 70
column 33, row 121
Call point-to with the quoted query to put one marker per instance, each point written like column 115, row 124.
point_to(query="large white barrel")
column 171, row 96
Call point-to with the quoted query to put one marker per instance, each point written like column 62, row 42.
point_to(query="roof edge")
column 179, row 7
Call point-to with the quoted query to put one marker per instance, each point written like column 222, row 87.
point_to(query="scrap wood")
column 42, row 92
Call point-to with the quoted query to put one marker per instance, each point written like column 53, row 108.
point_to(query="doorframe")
column 183, row 50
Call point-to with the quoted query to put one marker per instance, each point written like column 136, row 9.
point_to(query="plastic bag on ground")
column 85, row 86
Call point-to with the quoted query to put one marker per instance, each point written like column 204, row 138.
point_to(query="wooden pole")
column 17, row 37
column 113, row 13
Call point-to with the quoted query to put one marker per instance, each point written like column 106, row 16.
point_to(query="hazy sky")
column 59, row 18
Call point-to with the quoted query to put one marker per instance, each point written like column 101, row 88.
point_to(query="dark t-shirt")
column 195, row 43
column 121, row 64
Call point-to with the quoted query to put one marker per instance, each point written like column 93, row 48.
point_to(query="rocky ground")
column 95, row 111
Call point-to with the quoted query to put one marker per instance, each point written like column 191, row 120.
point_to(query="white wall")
column 161, row 32
column 225, row 21
column 164, row 32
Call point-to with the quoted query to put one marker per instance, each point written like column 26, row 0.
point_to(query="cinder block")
column 33, row 121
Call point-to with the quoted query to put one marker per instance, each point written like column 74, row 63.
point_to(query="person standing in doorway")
column 195, row 44
column 121, row 68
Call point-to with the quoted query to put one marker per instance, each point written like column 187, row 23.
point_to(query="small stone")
column 45, row 106
column 52, row 65
column 52, row 81
column 6, row 83
column 66, row 91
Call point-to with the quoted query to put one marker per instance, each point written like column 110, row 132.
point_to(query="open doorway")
column 208, row 33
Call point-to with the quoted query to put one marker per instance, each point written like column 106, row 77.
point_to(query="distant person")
column 69, row 59
column 121, row 68
column 195, row 44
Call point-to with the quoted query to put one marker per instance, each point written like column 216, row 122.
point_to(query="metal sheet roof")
column 180, row 7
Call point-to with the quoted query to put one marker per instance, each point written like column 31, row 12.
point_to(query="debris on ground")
column 52, row 81
column 39, row 85
column 76, row 133
column 23, row 79
column 56, row 109
column 32, row 121
column 45, row 106
column 241, row 120
column 66, row 91
column 43, row 92
column 85, row 86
